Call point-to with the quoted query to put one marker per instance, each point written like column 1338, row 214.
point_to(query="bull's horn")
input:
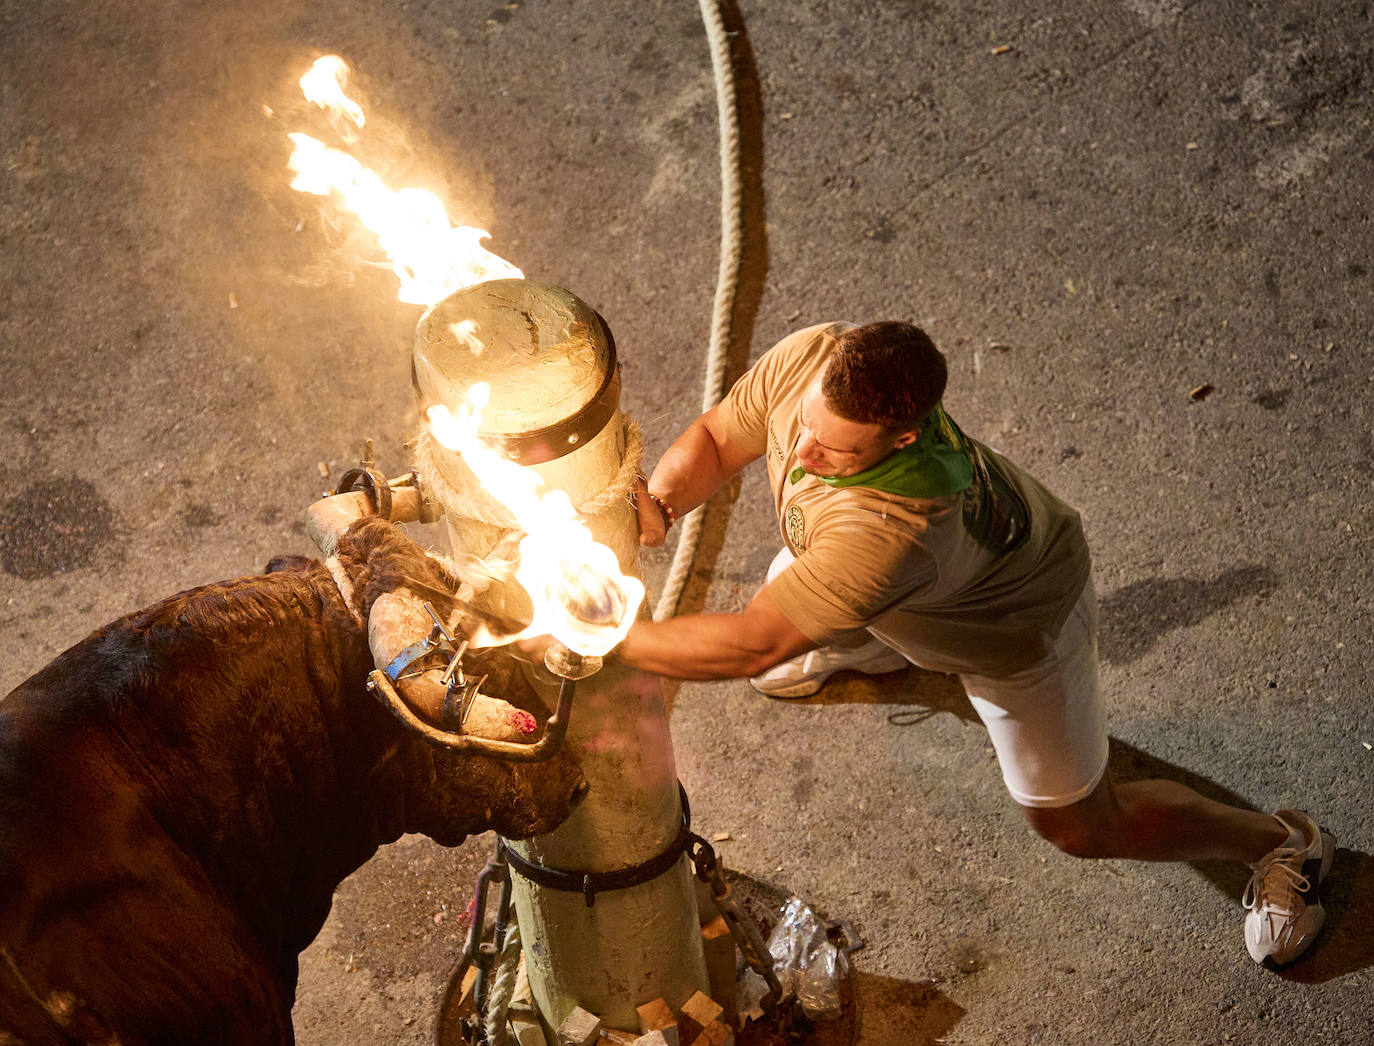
column 397, row 620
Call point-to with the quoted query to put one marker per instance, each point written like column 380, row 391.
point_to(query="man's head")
column 878, row 386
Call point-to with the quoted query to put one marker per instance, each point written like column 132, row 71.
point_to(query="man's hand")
column 653, row 524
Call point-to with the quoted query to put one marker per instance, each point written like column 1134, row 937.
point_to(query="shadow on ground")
column 1135, row 617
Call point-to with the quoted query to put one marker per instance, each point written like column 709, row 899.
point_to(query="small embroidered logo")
column 796, row 529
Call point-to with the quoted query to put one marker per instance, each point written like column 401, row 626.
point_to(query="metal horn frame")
column 515, row 751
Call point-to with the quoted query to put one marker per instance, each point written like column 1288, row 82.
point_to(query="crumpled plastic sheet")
column 807, row 964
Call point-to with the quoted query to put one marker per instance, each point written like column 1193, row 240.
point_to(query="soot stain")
column 53, row 527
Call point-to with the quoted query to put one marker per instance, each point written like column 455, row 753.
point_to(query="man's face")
column 834, row 446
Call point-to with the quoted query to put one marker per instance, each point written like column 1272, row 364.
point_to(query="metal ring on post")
column 370, row 482
column 589, row 884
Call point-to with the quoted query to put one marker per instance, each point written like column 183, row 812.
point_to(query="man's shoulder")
column 817, row 338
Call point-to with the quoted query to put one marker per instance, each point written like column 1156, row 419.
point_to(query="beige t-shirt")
column 932, row 576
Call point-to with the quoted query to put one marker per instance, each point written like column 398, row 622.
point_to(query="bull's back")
column 112, row 805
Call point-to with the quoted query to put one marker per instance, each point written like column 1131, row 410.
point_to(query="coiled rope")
column 727, row 282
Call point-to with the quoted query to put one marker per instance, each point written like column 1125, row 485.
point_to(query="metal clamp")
column 515, row 751
column 366, row 478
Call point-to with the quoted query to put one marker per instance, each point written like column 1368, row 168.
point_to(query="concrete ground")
column 1132, row 200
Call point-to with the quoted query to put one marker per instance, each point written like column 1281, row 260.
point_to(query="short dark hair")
column 885, row 373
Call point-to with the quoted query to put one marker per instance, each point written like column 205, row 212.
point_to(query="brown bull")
column 181, row 792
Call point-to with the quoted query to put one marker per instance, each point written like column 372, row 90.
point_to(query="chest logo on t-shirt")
column 773, row 447
column 795, row 524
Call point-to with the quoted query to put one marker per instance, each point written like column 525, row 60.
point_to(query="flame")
column 324, row 85
column 465, row 333
column 580, row 596
column 430, row 255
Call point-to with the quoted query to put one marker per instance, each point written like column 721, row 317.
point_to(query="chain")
column 783, row 1011
column 483, row 954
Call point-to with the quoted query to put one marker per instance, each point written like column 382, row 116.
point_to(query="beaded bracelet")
column 669, row 516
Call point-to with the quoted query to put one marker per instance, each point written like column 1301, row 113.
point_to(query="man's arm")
column 716, row 646
column 690, row 471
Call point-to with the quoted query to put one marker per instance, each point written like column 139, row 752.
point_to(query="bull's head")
column 390, row 579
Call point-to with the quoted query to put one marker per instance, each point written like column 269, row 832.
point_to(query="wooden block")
column 697, row 1012
column 721, row 967
column 657, row 1016
column 522, row 1000
column 579, row 1028
column 706, row 907
column 616, row 1037
column 654, row 1038
column 718, row 1034
column 466, row 1003
column 527, row 1031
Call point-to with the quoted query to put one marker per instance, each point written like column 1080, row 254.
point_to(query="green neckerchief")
column 935, row 465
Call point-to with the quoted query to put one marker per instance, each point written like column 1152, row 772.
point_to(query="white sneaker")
column 802, row 676
column 1286, row 913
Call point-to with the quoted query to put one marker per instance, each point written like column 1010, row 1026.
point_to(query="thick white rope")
column 727, row 281
column 502, row 988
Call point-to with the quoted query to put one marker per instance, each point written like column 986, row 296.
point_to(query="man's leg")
column 1049, row 728
column 1157, row 821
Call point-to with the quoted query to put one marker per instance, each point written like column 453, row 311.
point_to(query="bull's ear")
column 277, row 564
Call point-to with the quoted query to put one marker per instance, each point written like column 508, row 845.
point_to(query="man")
column 907, row 541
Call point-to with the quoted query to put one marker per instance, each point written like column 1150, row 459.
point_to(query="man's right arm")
column 690, row 471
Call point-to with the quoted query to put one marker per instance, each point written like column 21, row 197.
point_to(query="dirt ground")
column 1140, row 229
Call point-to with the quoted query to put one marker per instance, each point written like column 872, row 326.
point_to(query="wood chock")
column 721, row 967
column 579, row 1028
column 657, row 1016
column 655, row 1038
column 698, row 1012
column 715, row 1034
column 525, row 1030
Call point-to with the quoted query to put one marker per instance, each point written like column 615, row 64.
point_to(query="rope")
column 727, row 281
column 503, row 988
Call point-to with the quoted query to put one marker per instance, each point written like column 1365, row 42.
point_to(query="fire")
column 324, row 85
column 465, row 333
column 580, row 596
column 430, row 255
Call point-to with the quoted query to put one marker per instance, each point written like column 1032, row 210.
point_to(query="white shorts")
column 1047, row 723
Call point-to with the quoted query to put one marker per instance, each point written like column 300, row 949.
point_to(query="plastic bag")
column 807, row 964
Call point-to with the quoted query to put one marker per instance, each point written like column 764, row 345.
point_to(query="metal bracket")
column 366, row 478
column 515, row 751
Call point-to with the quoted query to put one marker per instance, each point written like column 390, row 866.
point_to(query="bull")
column 182, row 791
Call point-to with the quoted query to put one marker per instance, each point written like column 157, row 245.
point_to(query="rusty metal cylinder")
column 554, row 405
